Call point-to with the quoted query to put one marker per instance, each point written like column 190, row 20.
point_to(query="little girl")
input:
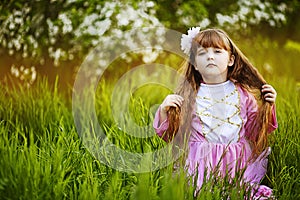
column 224, row 109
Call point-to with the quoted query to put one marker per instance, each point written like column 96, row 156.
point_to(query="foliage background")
column 52, row 37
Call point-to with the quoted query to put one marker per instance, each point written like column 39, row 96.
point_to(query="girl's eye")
column 201, row 52
column 218, row 51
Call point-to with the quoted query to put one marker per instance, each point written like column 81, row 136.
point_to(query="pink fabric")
column 204, row 156
column 262, row 192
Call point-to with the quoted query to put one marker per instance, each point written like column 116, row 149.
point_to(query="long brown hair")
column 242, row 72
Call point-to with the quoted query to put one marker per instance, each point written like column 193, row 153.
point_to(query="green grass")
column 42, row 156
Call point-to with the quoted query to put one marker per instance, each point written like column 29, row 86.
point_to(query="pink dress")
column 220, row 130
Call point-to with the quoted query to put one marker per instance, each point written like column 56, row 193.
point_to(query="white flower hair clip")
column 186, row 40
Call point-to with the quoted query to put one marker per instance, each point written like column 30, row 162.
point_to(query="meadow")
column 43, row 157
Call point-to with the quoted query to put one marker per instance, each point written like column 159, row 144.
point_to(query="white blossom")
column 67, row 23
column 205, row 22
column 150, row 55
column 186, row 40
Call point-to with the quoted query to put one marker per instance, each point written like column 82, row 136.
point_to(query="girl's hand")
column 269, row 93
column 172, row 100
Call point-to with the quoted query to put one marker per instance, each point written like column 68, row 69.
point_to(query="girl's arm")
column 161, row 122
column 160, row 125
column 172, row 100
column 252, row 109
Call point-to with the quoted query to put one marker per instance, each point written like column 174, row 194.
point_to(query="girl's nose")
column 210, row 56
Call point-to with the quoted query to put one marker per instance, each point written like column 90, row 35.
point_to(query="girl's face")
column 212, row 63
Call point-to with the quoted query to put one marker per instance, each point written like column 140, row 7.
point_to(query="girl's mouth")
column 211, row 65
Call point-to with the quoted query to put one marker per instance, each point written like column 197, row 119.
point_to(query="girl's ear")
column 231, row 60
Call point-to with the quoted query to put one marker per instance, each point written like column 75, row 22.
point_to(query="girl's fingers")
column 270, row 93
column 176, row 103
column 268, row 88
column 271, row 100
column 177, row 97
column 270, row 97
column 172, row 100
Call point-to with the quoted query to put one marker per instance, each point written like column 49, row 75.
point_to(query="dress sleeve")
column 273, row 122
column 160, row 126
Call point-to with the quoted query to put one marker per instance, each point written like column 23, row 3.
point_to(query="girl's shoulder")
column 247, row 95
column 241, row 89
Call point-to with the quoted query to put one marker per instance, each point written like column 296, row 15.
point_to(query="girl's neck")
column 215, row 82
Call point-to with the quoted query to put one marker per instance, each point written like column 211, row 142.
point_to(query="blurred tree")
column 230, row 15
column 289, row 29
column 38, row 37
